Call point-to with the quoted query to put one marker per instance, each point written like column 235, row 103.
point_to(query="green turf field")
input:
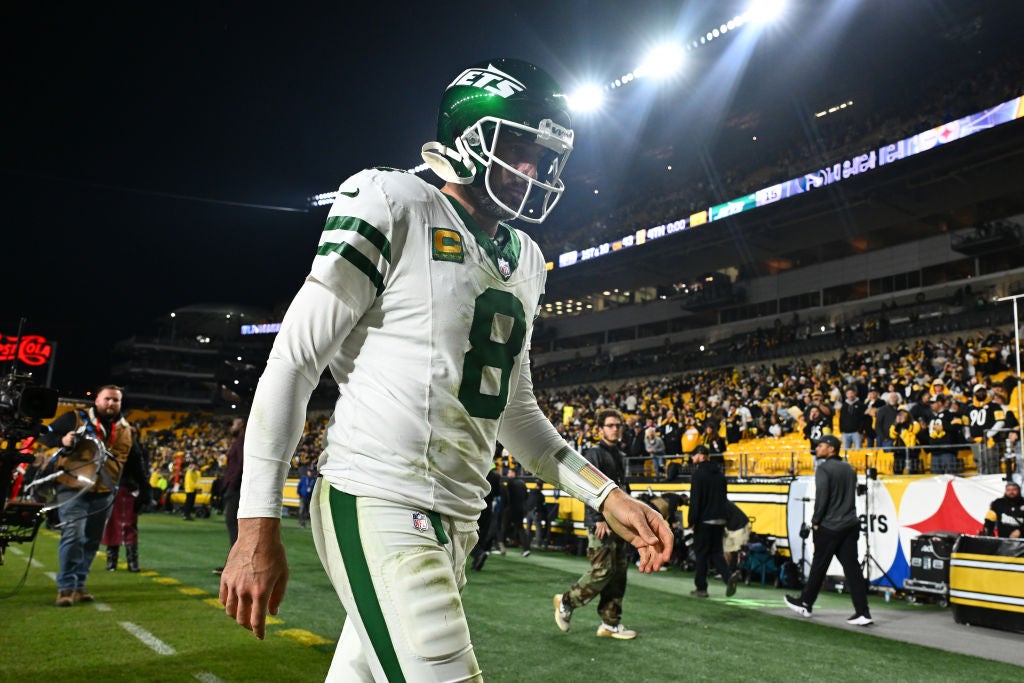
column 509, row 606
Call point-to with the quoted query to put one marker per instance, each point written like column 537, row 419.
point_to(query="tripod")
column 866, row 489
column 805, row 531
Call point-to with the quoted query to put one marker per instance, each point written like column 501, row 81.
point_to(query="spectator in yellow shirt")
column 191, row 488
column 691, row 436
column 904, row 434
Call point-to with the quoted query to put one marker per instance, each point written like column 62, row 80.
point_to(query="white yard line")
column 152, row 642
column 207, row 677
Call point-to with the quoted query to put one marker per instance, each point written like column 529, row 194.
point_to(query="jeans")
column 943, row 462
column 852, row 440
column 82, row 521
column 988, row 459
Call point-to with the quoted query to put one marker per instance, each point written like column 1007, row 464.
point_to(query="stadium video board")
column 813, row 180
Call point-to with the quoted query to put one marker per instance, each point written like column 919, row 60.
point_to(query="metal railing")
column 787, row 461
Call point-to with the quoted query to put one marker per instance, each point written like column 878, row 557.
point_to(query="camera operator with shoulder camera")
column 83, row 515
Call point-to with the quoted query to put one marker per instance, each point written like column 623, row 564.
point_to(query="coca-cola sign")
column 34, row 349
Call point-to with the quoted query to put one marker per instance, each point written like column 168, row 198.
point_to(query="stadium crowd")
column 204, row 439
column 772, row 400
column 798, row 337
column 719, row 408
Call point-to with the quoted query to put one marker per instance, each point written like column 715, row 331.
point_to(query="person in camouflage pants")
column 606, row 551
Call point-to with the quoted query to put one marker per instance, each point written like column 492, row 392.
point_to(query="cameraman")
column 84, row 515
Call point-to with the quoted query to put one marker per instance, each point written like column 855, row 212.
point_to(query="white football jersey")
column 426, row 374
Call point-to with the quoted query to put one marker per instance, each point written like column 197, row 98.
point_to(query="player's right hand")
column 642, row 526
column 255, row 575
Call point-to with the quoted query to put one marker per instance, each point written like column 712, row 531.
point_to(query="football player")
column 421, row 301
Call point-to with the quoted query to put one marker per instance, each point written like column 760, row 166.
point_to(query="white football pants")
column 399, row 573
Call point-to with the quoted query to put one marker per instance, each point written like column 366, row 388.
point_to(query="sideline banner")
column 893, row 512
column 896, row 510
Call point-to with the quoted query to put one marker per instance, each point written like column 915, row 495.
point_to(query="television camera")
column 23, row 407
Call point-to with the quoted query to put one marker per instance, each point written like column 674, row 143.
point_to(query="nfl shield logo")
column 419, row 521
column 503, row 268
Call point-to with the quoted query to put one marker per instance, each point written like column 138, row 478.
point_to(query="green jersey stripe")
column 357, row 259
column 375, row 236
column 345, row 515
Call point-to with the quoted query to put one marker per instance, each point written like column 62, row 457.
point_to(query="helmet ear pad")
column 450, row 165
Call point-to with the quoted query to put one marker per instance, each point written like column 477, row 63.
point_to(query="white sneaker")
column 860, row 620
column 798, row 606
column 562, row 615
column 618, row 631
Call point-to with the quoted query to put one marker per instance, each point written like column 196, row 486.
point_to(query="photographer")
column 84, row 515
column 606, row 550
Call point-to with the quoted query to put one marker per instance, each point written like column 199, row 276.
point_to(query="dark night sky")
column 111, row 111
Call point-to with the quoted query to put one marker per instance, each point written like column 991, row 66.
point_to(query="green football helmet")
column 494, row 99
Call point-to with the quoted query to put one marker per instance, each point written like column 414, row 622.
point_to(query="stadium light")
column 587, row 98
column 663, row 61
column 323, row 199
column 766, row 11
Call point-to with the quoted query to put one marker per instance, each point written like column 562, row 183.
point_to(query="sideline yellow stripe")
column 304, row 637
column 1003, row 607
column 998, row 559
column 993, row 581
column 167, row 581
column 192, row 590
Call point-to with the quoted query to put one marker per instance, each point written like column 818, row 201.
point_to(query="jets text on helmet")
column 490, row 79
